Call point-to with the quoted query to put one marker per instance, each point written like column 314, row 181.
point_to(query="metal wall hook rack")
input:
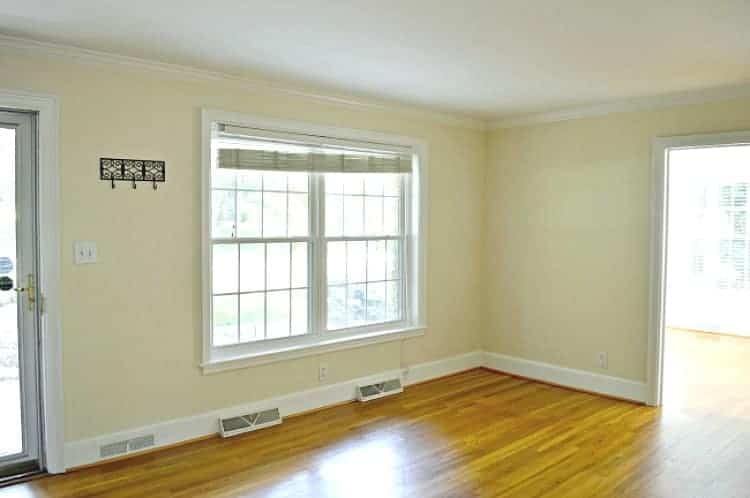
column 132, row 170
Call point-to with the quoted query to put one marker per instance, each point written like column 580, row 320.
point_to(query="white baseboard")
column 568, row 377
column 440, row 368
column 86, row 451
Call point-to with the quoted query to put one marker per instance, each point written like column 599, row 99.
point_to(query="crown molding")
column 12, row 43
column 190, row 73
column 630, row 105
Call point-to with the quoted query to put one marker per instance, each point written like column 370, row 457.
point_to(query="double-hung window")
column 311, row 240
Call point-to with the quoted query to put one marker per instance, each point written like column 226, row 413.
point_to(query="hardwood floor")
column 478, row 433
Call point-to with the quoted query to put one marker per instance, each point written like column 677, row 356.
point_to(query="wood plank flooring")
column 478, row 433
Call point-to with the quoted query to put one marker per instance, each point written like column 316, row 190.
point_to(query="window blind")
column 253, row 149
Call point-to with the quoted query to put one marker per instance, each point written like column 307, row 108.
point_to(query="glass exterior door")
column 19, row 391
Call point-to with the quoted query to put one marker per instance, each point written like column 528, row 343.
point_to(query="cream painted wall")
column 568, row 227
column 538, row 241
column 132, row 322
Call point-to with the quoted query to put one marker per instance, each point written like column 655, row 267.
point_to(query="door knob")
column 6, row 284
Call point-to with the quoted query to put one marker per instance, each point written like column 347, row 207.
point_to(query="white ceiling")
column 481, row 58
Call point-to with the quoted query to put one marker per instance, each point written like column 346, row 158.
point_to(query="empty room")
column 374, row 249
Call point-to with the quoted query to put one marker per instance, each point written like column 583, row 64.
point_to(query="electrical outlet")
column 602, row 360
column 322, row 372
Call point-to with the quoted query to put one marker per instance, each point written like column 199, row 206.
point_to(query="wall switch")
column 602, row 360
column 322, row 372
column 85, row 252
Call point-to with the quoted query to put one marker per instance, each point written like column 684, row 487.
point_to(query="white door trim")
column 659, row 220
column 48, row 204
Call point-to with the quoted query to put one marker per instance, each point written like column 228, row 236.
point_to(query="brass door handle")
column 30, row 291
column 6, row 284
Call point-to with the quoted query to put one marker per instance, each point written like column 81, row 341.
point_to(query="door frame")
column 658, row 263
column 48, row 219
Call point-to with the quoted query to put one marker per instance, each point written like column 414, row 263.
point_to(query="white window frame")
column 216, row 359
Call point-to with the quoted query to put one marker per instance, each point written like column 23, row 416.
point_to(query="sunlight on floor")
column 706, row 373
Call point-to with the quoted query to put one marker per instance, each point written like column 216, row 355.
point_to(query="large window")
column 311, row 240
column 364, row 245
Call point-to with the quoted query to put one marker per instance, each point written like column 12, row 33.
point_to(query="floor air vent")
column 126, row 446
column 375, row 391
column 252, row 422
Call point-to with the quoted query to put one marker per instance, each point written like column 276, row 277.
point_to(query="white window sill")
column 299, row 351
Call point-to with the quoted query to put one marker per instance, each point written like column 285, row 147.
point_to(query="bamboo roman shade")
column 254, row 149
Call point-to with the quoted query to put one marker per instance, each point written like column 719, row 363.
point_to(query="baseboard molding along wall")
column 567, row 377
column 171, row 432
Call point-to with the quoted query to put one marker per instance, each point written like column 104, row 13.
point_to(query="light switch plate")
column 85, row 252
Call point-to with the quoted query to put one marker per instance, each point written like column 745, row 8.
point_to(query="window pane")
column 222, row 178
column 298, row 216
column 252, row 267
column 249, row 179
column 353, row 183
column 334, row 215
column 740, row 222
column 274, row 180
column 225, row 320
column 356, row 261
column 222, row 214
column 336, row 262
column 374, row 215
column 224, row 268
column 298, row 182
column 336, row 307
column 248, row 214
column 740, row 194
column 393, row 301
column 725, row 197
column 277, row 267
column 376, row 302
column 274, row 215
column 393, row 268
column 355, row 305
column 376, row 260
column 334, row 183
column 392, row 184
column 299, row 264
column 299, row 311
column 391, row 218
column 353, row 215
column 374, row 184
column 278, row 314
column 252, row 317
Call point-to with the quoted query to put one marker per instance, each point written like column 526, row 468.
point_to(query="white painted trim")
column 423, row 372
column 658, row 262
column 567, row 377
column 86, row 451
column 629, row 105
column 415, row 322
column 189, row 73
column 48, row 208
column 657, row 278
